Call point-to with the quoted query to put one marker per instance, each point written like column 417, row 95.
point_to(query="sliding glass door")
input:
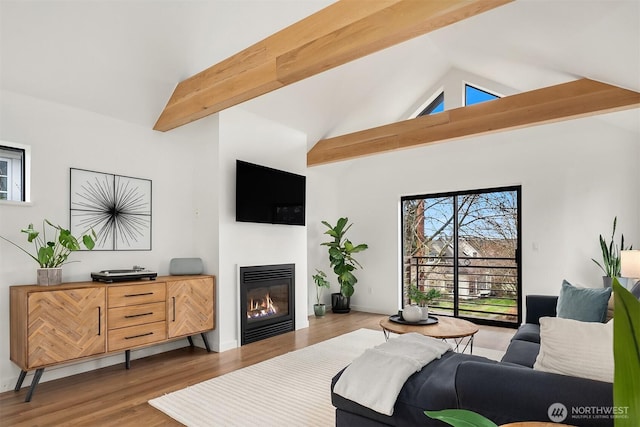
column 466, row 245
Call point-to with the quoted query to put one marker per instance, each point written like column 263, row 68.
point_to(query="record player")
column 136, row 273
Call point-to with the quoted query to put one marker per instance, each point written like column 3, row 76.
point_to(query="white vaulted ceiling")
column 124, row 58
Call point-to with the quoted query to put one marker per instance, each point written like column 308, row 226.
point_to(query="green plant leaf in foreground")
column 626, row 353
column 460, row 418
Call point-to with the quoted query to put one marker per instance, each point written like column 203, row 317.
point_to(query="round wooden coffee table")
column 446, row 328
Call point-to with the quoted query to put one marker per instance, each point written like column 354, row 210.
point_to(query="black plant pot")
column 340, row 303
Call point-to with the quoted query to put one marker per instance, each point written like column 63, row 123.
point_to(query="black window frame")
column 466, row 85
column 23, row 174
column 432, row 105
column 518, row 251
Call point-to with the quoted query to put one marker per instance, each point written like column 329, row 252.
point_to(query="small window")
column 13, row 173
column 436, row 106
column 473, row 95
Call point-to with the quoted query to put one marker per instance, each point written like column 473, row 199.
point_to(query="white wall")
column 61, row 137
column 250, row 138
column 575, row 177
column 193, row 173
column 324, row 193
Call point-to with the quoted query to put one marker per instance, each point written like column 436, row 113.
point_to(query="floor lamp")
column 630, row 268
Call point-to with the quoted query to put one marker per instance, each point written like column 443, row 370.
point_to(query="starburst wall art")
column 117, row 208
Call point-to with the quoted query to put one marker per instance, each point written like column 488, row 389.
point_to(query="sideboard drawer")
column 121, row 317
column 134, row 336
column 119, row 296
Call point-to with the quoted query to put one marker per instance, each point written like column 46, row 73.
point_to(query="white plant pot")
column 412, row 313
column 425, row 312
column 608, row 281
column 49, row 276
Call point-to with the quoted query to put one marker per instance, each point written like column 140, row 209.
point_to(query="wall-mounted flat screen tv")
column 268, row 195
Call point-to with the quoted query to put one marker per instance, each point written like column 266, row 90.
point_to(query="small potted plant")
column 320, row 279
column 423, row 298
column 52, row 254
column 341, row 259
column 611, row 256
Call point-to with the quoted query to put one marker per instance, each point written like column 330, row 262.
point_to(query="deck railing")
column 481, row 288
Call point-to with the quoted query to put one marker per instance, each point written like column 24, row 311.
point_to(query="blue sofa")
column 506, row 391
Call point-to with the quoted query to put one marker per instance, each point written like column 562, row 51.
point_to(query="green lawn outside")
column 490, row 305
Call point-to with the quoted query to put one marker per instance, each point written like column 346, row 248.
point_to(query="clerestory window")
column 473, row 95
column 436, row 106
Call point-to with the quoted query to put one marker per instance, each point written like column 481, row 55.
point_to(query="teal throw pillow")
column 583, row 304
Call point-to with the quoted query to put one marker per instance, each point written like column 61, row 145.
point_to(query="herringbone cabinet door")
column 65, row 325
column 190, row 306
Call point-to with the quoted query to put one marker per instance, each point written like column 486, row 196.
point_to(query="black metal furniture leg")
column 190, row 341
column 20, row 380
column 206, row 342
column 34, row 384
column 127, row 357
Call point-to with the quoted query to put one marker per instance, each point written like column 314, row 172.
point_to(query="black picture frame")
column 117, row 207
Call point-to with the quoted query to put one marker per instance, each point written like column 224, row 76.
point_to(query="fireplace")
column 267, row 301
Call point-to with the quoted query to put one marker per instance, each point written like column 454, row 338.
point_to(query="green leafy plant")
column 626, row 355
column 422, row 298
column 341, row 252
column 460, row 418
column 53, row 253
column 320, row 279
column 611, row 253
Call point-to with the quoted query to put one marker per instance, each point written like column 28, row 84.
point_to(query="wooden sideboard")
column 58, row 324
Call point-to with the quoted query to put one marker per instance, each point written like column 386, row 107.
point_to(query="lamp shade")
column 630, row 264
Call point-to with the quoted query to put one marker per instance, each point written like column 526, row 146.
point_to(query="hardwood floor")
column 115, row 396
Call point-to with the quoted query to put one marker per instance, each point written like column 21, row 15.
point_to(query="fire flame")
column 261, row 308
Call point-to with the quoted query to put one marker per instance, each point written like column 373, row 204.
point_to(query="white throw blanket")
column 375, row 378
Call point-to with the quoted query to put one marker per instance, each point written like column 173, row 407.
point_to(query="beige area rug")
column 289, row 390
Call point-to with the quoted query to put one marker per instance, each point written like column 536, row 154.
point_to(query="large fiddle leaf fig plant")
column 341, row 252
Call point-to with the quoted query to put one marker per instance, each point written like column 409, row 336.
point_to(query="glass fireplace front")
column 266, row 301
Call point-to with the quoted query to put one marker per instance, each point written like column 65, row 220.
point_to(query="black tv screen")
column 269, row 195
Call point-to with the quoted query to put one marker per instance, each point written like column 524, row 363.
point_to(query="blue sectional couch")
column 506, row 391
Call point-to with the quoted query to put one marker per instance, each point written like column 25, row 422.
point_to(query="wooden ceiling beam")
column 401, row 21
column 337, row 34
column 565, row 101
